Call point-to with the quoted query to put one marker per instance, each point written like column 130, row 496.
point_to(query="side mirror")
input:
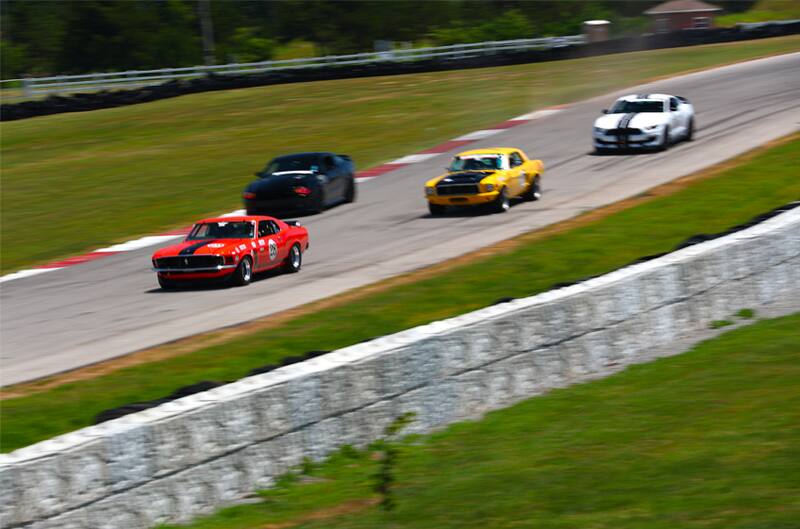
column 605, row 111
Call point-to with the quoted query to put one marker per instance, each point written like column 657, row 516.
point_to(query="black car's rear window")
column 300, row 162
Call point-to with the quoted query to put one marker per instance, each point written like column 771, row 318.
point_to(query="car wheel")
column 664, row 141
column 294, row 260
column 243, row 273
column 690, row 130
column 436, row 209
column 166, row 284
column 318, row 202
column 502, row 203
column 350, row 194
column 534, row 191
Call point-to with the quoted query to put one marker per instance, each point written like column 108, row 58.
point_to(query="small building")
column 676, row 15
column 596, row 30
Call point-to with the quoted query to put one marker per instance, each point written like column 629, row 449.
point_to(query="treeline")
column 67, row 37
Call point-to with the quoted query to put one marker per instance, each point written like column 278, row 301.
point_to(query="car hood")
column 463, row 177
column 205, row 247
column 634, row 120
column 281, row 182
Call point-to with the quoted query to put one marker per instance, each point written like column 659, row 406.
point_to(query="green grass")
column 76, row 182
column 707, row 206
column 718, row 324
column 708, row 439
column 746, row 314
column 763, row 11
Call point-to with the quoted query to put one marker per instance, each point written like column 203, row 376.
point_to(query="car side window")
column 273, row 227
column 673, row 104
column 328, row 163
column 263, row 228
column 516, row 159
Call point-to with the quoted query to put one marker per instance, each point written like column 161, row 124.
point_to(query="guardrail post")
column 27, row 87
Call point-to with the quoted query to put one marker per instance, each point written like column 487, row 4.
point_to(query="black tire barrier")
column 185, row 391
column 205, row 385
column 84, row 102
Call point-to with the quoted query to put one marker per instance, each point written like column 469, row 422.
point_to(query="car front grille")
column 458, row 189
column 620, row 132
column 189, row 261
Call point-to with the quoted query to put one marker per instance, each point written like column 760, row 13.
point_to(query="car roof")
column 238, row 218
column 490, row 150
column 634, row 97
column 301, row 154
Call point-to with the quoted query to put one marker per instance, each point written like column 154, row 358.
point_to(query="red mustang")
column 232, row 248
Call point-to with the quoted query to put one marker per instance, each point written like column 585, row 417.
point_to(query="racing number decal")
column 273, row 250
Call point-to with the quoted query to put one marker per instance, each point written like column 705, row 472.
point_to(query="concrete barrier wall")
column 197, row 454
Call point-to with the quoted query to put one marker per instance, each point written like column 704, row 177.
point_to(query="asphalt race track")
column 102, row 309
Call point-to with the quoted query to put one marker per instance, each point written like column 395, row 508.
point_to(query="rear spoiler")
column 293, row 222
column 345, row 156
column 682, row 99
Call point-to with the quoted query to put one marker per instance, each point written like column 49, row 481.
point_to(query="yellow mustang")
column 486, row 177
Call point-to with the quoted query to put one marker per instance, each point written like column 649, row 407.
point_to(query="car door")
column 676, row 123
column 334, row 187
column 262, row 250
column 518, row 176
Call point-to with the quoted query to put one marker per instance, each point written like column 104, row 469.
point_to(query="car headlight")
column 598, row 130
column 489, row 187
column 430, row 191
column 651, row 128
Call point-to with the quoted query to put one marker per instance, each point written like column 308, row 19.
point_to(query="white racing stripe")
column 237, row 213
column 150, row 240
column 27, row 273
column 478, row 135
column 536, row 114
column 414, row 158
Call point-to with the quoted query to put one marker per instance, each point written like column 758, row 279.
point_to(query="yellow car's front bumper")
column 462, row 200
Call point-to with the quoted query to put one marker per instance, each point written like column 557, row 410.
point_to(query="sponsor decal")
column 216, row 245
column 273, row 250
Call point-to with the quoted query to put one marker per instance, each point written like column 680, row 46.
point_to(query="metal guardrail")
column 101, row 81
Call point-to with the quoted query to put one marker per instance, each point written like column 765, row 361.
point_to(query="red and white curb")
column 361, row 177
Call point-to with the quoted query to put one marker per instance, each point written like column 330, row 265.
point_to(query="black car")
column 308, row 181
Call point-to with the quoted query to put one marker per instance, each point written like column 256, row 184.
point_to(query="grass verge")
column 763, row 11
column 532, row 265
column 95, row 178
column 707, row 439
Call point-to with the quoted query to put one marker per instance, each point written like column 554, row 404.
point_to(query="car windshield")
column 303, row 162
column 489, row 162
column 221, row 230
column 626, row 107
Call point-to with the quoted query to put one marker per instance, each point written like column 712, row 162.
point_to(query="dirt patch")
column 348, row 507
column 200, row 341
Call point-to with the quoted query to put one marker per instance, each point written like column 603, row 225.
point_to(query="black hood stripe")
column 189, row 250
column 626, row 119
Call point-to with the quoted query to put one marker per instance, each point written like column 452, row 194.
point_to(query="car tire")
column 243, row 273
column 534, row 191
column 502, row 203
column 436, row 209
column 350, row 194
column 318, row 203
column 664, row 141
column 166, row 284
column 690, row 130
column 294, row 260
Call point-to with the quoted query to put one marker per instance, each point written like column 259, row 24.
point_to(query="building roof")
column 682, row 6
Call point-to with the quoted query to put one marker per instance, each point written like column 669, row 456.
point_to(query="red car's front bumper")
column 191, row 274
